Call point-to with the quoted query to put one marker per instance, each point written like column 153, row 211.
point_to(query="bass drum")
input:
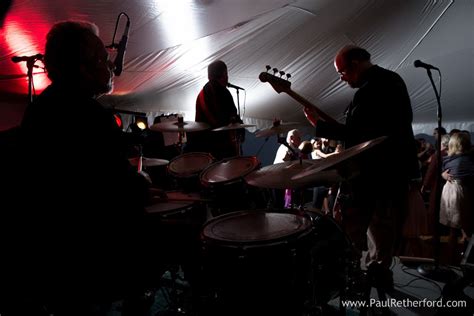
column 272, row 263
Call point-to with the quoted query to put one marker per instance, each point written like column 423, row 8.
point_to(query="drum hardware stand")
column 261, row 147
column 181, row 141
column 237, row 142
column 181, row 135
column 173, row 302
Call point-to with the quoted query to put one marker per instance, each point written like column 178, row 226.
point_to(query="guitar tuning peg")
column 275, row 71
column 281, row 73
column 268, row 67
column 288, row 76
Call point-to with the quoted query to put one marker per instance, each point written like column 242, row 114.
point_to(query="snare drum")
column 269, row 263
column 186, row 168
column 224, row 181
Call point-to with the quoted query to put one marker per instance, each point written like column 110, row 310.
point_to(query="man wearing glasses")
column 378, row 194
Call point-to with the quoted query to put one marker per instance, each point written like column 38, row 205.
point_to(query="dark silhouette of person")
column 215, row 106
column 76, row 224
column 380, row 107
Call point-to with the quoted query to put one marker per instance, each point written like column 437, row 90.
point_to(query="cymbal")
column 232, row 126
column 278, row 128
column 281, row 175
column 185, row 126
column 148, row 162
column 334, row 160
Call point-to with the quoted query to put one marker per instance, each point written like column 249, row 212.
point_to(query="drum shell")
column 277, row 276
column 175, row 225
column 223, row 182
column 185, row 169
column 269, row 276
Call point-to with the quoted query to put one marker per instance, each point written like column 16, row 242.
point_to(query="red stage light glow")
column 24, row 41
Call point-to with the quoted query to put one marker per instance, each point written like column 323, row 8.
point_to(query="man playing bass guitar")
column 378, row 195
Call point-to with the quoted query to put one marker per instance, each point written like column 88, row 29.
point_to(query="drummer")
column 215, row 106
column 82, row 209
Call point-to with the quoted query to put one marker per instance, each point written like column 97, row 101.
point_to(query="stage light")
column 141, row 122
column 118, row 120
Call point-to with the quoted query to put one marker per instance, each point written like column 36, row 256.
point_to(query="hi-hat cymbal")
column 336, row 160
column 277, row 129
column 185, row 126
column 232, row 126
column 148, row 162
column 281, row 175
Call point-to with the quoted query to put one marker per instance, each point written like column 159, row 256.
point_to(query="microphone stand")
column 30, row 64
column 236, row 135
column 238, row 102
column 435, row 271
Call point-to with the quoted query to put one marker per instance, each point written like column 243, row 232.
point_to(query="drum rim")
column 253, row 159
column 186, row 206
column 307, row 227
column 189, row 174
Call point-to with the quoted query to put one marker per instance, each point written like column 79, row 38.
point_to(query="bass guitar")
column 280, row 85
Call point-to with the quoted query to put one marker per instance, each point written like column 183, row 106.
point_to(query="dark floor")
column 411, row 289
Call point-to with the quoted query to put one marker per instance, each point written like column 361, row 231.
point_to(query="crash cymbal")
column 232, row 126
column 336, row 160
column 277, row 128
column 185, row 126
column 280, row 176
column 148, row 162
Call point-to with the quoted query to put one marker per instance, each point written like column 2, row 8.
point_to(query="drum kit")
column 255, row 260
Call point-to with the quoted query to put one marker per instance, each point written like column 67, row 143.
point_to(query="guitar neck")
column 308, row 104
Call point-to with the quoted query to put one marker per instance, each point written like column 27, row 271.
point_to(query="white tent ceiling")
column 172, row 41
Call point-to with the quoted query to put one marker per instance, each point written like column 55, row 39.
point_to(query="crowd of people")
column 447, row 185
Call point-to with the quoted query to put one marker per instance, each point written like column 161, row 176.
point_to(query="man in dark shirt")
column 79, row 213
column 380, row 107
column 215, row 106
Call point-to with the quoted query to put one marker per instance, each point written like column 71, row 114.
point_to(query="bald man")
column 284, row 153
column 380, row 107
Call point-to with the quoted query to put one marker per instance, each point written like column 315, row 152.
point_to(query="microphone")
column 419, row 63
column 18, row 59
column 230, row 85
column 122, row 46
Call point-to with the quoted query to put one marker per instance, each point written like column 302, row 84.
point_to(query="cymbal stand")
column 181, row 135
column 181, row 141
column 237, row 142
column 261, row 147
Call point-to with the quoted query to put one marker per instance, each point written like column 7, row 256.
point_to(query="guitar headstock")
column 278, row 83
